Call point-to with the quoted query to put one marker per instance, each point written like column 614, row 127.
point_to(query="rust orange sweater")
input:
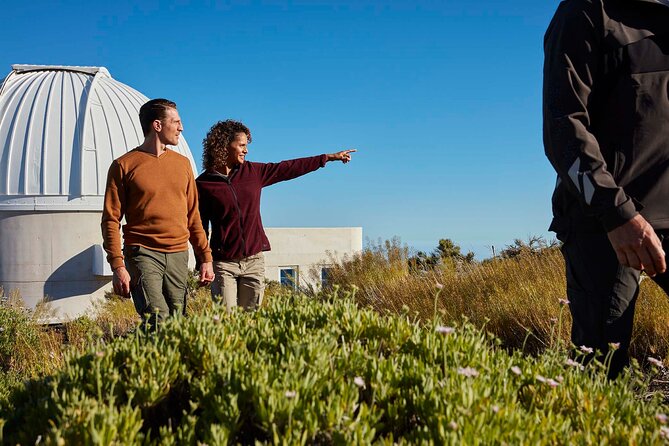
column 158, row 197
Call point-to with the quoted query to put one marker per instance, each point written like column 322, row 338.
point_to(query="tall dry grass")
column 517, row 299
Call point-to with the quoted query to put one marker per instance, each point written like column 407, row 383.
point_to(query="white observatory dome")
column 60, row 129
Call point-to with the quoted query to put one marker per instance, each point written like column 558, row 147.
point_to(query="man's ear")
column 157, row 125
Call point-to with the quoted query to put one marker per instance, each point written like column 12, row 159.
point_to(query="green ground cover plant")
column 325, row 371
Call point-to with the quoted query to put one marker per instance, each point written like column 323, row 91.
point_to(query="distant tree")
column 534, row 245
column 445, row 252
column 449, row 250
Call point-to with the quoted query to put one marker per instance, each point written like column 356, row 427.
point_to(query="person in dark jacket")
column 229, row 193
column 606, row 133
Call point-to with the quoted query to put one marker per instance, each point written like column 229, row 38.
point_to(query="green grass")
column 310, row 371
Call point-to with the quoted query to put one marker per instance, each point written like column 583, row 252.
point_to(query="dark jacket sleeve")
column 204, row 217
column 572, row 47
column 287, row 170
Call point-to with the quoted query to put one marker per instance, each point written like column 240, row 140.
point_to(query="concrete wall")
column 309, row 249
column 52, row 255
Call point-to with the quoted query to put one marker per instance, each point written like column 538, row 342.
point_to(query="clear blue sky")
column 442, row 99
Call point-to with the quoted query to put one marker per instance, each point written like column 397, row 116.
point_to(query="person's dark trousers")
column 157, row 282
column 602, row 295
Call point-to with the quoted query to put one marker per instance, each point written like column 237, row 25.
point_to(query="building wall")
column 308, row 250
column 52, row 255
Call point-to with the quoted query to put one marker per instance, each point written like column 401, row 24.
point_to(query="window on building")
column 326, row 273
column 288, row 276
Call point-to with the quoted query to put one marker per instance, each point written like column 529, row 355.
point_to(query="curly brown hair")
column 216, row 143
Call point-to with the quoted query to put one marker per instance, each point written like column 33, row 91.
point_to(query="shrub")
column 303, row 371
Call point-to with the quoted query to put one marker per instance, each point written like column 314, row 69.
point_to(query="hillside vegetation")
column 308, row 371
column 431, row 349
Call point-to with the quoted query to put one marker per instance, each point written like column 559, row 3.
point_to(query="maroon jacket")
column 232, row 204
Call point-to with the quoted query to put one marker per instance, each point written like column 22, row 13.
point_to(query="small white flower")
column 216, row 318
column 453, row 425
column 563, row 301
column 614, row 345
column 439, row 286
column 664, row 432
column 2, row 329
column 571, row 363
column 358, row 381
column 540, row 378
column 585, row 349
column 290, row 394
column 516, row 370
column 468, row 372
column 551, row 382
column 495, row 408
column 100, row 354
column 559, row 378
column 662, row 418
column 444, row 330
column 554, row 320
column 655, row 362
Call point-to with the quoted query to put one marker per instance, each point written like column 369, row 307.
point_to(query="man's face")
column 237, row 150
column 170, row 128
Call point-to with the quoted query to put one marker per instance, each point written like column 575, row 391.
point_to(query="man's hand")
column 344, row 156
column 637, row 246
column 206, row 273
column 121, row 282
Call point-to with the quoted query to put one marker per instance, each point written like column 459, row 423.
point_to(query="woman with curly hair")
column 229, row 195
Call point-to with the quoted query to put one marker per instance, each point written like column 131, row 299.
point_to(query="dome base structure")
column 50, row 257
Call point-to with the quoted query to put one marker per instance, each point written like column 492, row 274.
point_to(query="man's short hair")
column 152, row 110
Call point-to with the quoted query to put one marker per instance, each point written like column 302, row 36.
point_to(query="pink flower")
column 439, row 286
column 453, row 425
column 551, row 382
column 444, row 330
column 571, row 363
column 586, row 350
column 540, row 378
column 664, row 432
column 468, row 372
column 495, row 408
column 655, row 362
column 216, row 318
column 563, row 301
column 290, row 394
column 516, row 370
column 662, row 418
column 100, row 354
column 614, row 345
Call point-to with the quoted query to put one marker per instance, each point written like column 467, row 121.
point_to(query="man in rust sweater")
column 154, row 188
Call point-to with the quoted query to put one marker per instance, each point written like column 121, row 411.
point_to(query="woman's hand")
column 344, row 156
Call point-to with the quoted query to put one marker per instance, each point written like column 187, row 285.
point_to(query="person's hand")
column 344, row 156
column 206, row 273
column 637, row 246
column 121, row 282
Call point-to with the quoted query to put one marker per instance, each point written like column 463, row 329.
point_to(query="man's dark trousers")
column 602, row 295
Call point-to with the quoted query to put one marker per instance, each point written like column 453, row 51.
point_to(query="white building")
column 301, row 256
column 60, row 129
